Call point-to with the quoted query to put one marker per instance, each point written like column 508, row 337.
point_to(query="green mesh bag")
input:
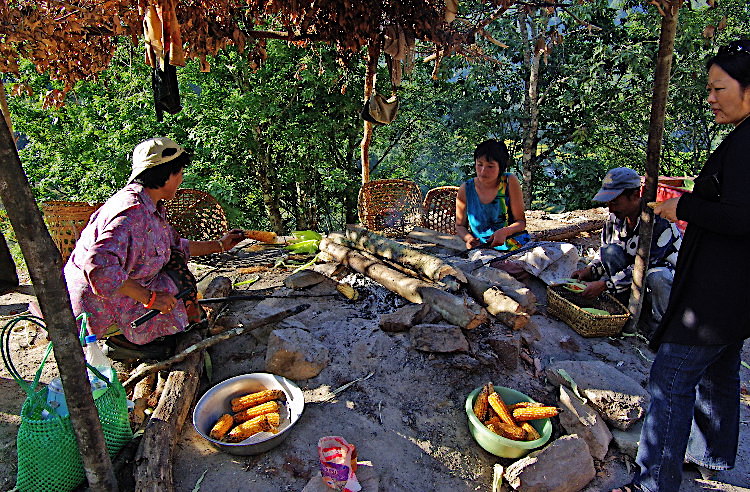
column 48, row 458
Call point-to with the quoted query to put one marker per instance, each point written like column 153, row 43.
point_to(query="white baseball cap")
column 150, row 153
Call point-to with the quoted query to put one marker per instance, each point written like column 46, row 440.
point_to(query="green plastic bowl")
column 498, row 445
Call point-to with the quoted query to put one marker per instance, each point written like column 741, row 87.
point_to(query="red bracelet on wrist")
column 151, row 300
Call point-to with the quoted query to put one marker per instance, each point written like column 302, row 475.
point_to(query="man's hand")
column 594, row 289
column 582, row 274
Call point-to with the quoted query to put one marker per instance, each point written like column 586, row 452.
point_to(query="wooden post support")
column 653, row 152
column 373, row 53
column 45, row 268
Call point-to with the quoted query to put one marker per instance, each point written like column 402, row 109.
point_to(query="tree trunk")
column 8, row 275
column 45, row 268
column 530, row 124
column 653, row 153
column 266, row 180
column 568, row 231
column 373, row 53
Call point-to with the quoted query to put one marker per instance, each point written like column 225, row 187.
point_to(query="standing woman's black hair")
column 734, row 59
column 494, row 151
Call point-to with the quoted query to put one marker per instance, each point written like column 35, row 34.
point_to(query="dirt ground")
column 407, row 418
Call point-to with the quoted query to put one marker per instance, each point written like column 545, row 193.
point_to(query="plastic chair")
column 392, row 207
column 196, row 215
column 65, row 221
column 440, row 209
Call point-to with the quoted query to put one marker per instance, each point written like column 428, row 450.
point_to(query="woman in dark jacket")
column 694, row 383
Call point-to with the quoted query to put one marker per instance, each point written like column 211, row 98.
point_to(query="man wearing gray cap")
column 612, row 266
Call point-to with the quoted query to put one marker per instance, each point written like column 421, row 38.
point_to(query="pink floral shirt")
column 128, row 237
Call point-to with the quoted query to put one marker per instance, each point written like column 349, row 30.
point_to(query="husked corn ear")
column 525, row 404
column 252, row 412
column 498, row 405
column 221, row 427
column 261, row 423
column 533, row 413
column 481, row 405
column 531, row 433
column 262, row 236
column 510, row 431
column 257, row 398
column 493, row 420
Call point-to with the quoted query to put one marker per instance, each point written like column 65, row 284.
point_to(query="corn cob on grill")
column 253, row 399
column 262, row 423
column 262, row 236
column 221, row 427
column 533, row 413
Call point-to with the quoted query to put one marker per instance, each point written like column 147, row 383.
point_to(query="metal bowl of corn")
column 499, row 445
column 217, row 402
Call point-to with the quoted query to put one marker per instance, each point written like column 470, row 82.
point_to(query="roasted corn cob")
column 252, row 412
column 531, row 432
column 221, row 427
column 480, row 404
column 525, row 404
column 494, row 420
column 257, row 398
column 510, row 431
column 533, row 413
column 262, row 236
column 498, row 405
column 266, row 422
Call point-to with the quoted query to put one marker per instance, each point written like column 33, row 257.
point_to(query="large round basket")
column 392, row 207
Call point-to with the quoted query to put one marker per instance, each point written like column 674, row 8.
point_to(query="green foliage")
column 276, row 143
column 279, row 145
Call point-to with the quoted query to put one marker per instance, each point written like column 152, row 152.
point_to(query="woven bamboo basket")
column 196, row 215
column 568, row 307
column 440, row 209
column 65, row 221
column 392, row 207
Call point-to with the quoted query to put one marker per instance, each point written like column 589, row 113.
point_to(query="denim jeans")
column 694, row 413
column 658, row 279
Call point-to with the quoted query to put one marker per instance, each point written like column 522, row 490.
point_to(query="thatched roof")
column 74, row 40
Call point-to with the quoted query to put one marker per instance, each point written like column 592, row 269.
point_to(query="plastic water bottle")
column 96, row 358
column 56, row 400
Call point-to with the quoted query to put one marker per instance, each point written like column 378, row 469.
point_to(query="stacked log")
column 423, row 278
column 453, row 308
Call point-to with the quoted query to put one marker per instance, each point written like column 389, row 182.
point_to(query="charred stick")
column 208, row 342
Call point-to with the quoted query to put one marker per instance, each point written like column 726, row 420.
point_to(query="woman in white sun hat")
column 130, row 260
